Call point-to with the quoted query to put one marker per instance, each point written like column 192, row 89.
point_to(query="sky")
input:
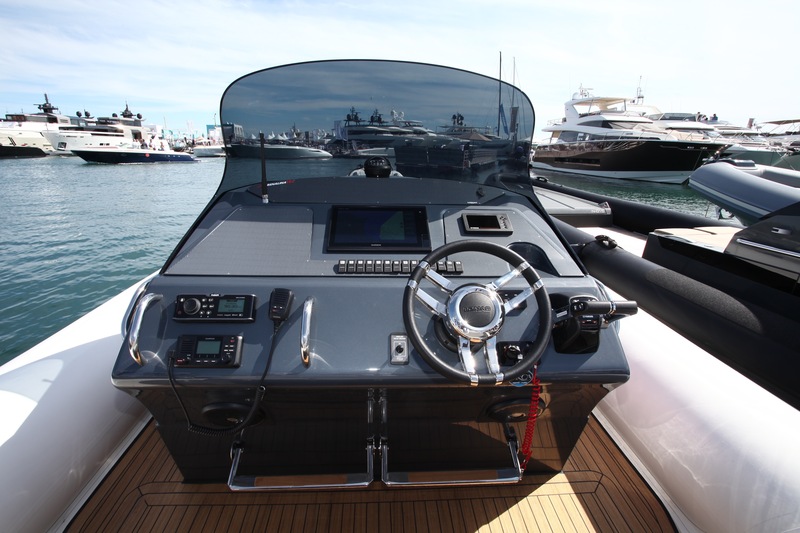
column 172, row 60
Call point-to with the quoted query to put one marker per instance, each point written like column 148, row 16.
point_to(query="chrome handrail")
column 768, row 248
column 238, row 482
column 305, row 332
column 136, row 323
column 507, row 475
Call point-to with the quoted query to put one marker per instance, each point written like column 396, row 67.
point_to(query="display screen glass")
column 483, row 222
column 208, row 347
column 379, row 229
column 230, row 305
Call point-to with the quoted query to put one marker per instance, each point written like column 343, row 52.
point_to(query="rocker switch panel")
column 398, row 349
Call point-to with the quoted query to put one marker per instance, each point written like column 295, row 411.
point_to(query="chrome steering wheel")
column 474, row 314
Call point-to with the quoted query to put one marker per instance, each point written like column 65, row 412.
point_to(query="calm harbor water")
column 74, row 234
column 669, row 196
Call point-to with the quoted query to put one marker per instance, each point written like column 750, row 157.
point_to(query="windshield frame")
column 251, row 96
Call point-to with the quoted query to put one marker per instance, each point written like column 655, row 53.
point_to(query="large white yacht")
column 600, row 136
column 746, row 142
column 116, row 131
column 377, row 131
column 784, row 132
column 25, row 130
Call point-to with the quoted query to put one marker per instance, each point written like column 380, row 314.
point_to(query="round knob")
column 191, row 306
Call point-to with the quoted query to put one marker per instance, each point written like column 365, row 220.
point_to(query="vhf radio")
column 212, row 350
column 209, row 351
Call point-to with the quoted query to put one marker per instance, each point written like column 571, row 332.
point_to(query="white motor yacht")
column 746, row 143
column 600, row 136
column 783, row 132
column 19, row 143
column 116, row 131
column 25, row 130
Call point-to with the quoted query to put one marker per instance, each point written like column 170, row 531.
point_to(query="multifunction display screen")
column 380, row 229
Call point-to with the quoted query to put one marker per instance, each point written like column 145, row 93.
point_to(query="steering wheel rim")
column 484, row 310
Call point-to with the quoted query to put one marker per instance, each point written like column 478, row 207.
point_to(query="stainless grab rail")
column 766, row 247
column 136, row 323
column 238, row 482
column 305, row 332
column 507, row 475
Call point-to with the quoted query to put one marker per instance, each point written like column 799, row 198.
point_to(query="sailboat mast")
column 499, row 93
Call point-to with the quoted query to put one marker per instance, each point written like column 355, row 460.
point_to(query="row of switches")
column 393, row 266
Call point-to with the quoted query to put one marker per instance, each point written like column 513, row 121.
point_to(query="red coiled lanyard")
column 533, row 414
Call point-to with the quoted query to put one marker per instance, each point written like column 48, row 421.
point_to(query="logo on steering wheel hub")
column 475, row 312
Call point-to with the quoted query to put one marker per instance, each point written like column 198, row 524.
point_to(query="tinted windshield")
column 328, row 118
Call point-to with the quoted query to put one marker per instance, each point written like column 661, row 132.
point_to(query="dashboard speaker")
column 228, row 414
column 514, row 410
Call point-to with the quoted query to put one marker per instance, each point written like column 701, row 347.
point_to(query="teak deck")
column 599, row 490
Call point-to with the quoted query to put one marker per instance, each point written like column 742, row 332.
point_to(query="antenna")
column 499, row 92
column 264, row 195
column 639, row 93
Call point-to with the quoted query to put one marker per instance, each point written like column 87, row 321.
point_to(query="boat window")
column 630, row 125
column 568, row 136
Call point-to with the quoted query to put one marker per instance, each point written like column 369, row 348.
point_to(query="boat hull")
column 20, row 152
column 111, row 156
column 790, row 161
column 419, row 160
column 62, row 423
column 634, row 159
column 748, row 191
column 277, row 151
column 209, row 151
column 757, row 156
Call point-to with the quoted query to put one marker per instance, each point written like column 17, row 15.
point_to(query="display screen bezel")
column 415, row 239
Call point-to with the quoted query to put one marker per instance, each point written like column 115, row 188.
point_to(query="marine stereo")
column 215, row 308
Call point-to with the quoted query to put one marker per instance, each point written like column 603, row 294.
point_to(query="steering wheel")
column 474, row 314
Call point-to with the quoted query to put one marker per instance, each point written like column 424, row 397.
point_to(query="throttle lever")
column 610, row 309
column 607, row 311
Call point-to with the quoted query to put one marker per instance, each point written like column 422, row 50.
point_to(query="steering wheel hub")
column 475, row 312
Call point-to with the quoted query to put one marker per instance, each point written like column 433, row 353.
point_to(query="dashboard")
column 289, row 317
column 345, row 265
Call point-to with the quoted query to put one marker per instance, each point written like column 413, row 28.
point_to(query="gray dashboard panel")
column 290, row 240
column 252, row 241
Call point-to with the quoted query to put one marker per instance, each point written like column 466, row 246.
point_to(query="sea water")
column 74, row 234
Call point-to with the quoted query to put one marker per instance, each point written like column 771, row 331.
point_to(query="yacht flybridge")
column 316, row 329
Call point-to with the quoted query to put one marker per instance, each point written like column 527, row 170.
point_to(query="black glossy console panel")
column 322, row 416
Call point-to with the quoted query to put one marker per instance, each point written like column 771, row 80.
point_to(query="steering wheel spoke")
column 439, row 280
column 466, row 355
column 431, row 303
column 517, row 300
column 508, row 276
column 491, row 355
